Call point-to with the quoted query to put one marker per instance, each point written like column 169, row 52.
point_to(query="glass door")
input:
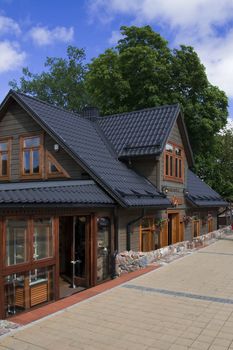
column 81, row 254
column 103, row 248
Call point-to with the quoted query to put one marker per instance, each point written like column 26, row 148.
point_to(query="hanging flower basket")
column 159, row 223
column 187, row 219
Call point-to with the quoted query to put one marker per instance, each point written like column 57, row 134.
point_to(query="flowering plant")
column 160, row 222
column 187, row 219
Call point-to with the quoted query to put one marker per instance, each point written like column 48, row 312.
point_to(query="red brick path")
column 36, row 314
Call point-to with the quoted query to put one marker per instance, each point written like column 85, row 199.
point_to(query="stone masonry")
column 128, row 261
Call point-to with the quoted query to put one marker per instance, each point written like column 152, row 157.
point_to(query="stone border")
column 129, row 261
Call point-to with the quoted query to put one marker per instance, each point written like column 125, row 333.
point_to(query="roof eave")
column 22, row 205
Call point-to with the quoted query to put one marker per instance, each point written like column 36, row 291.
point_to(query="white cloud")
column 116, row 35
column 9, row 26
column 179, row 13
column 204, row 24
column 11, row 56
column 43, row 36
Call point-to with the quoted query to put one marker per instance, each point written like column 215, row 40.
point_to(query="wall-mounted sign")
column 177, row 201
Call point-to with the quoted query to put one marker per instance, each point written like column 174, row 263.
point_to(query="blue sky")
column 30, row 30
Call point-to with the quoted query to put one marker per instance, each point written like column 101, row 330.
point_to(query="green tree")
column 133, row 75
column 61, row 84
column 220, row 174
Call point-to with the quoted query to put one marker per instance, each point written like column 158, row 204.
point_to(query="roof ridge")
column 138, row 110
column 45, row 102
column 106, row 141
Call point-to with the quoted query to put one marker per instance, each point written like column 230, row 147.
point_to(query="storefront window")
column 28, row 289
column 42, row 239
column 16, row 241
column 103, row 248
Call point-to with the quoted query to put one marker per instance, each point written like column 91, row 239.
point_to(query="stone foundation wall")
column 128, row 261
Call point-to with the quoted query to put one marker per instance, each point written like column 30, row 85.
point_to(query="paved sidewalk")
column 187, row 304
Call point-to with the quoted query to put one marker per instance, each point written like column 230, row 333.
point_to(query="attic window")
column 174, row 163
column 53, row 168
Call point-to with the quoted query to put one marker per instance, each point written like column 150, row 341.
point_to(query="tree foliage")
column 62, row 83
column 219, row 172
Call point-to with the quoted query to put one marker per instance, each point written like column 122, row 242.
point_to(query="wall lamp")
column 165, row 189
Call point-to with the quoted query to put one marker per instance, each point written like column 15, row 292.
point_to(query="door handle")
column 78, row 261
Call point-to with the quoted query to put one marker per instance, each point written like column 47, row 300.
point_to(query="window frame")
column 49, row 158
column 197, row 223
column 7, row 140
column 31, row 149
column 174, row 159
column 31, row 263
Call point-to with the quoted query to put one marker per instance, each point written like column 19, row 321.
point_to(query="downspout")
column 128, row 229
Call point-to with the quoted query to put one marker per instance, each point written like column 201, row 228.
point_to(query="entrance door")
column 81, row 251
column 75, row 253
column 173, row 228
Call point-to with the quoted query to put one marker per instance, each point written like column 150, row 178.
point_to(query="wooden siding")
column 146, row 168
column 73, row 169
column 17, row 122
column 126, row 216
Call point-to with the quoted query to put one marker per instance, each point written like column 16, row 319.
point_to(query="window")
column 16, row 240
column 174, row 163
column 196, row 227
column 53, row 168
column 5, row 159
column 31, row 157
column 149, row 237
column 42, row 239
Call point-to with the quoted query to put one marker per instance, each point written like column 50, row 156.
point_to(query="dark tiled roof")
column 85, row 141
column 53, row 193
column 200, row 194
column 141, row 132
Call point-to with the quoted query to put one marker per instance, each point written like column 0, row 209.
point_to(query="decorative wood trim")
column 41, row 156
column 61, row 171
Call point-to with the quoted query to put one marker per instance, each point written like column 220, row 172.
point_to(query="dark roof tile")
column 200, row 194
column 76, row 192
column 141, row 132
column 86, row 142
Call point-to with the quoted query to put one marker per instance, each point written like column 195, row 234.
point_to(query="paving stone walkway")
column 186, row 304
